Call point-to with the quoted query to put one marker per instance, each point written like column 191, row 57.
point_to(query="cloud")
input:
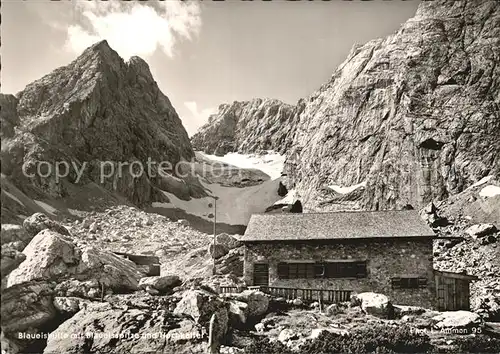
column 197, row 118
column 134, row 28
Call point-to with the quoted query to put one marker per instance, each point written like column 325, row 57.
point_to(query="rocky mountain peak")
column 101, row 48
column 97, row 108
column 100, row 57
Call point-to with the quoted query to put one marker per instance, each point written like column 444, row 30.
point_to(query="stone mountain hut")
column 388, row 252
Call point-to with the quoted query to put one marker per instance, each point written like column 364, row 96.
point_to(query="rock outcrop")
column 134, row 328
column 374, row 304
column 231, row 263
column 92, row 114
column 228, row 241
column 160, row 283
column 39, row 221
column 13, row 233
column 430, row 215
column 54, row 257
column 469, row 244
column 217, row 250
column 481, row 230
column 257, row 302
column 11, row 258
column 200, row 305
column 457, row 320
column 27, row 306
column 249, row 126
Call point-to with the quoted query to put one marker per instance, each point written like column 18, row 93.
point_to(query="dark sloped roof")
column 333, row 226
column 456, row 275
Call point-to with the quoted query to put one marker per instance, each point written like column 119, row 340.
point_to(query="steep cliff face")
column 409, row 118
column 98, row 111
column 404, row 120
column 250, row 126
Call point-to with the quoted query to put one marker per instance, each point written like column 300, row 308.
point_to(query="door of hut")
column 261, row 274
column 452, row 294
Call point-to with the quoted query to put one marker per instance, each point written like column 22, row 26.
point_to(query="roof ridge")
column 352, row 224
column 338, row 212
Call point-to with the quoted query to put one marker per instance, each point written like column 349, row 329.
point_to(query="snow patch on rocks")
column 489, row 191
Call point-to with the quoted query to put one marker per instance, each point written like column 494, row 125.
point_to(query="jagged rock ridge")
column 249, row 126
column 98, row 108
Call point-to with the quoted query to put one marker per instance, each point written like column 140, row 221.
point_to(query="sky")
column 201, row 54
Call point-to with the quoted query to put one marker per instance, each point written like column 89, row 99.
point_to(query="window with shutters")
column 345, row 269
column 409, row 283
column 296, row 270
column 283, row 270
column 322, row 270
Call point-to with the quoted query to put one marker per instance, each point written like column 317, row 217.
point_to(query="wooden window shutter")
column 301, row 270
column 412, row 283
column 292, row 271
column 361, row 269
column 422, row 282
column 282, row 270
column 310, row 271
column 396, row 283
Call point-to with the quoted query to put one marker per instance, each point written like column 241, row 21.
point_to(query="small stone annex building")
column 389, row 252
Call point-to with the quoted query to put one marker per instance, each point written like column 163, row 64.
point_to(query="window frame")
column 409, row 282
column 328, row 269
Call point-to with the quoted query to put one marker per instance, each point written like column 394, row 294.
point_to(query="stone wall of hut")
column 385, row 260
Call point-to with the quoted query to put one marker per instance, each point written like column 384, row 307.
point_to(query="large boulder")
column 488, row 306
column 200, row 305
column 430, row 214
column 231, row 263
column 457, row 320
column 69, row 305
column 237, row 313
column 190, row 332
column 217, row 251
column 90, row 289
column 52, row 256
column 10, row 260
column 27, row 306
column 125, row 330
column 26, row 309
column 39, row 221
column 13, row 233
column 374, row 304
column 257, row 302
column 227, row 240
column 481, row 230
column 160, row 283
